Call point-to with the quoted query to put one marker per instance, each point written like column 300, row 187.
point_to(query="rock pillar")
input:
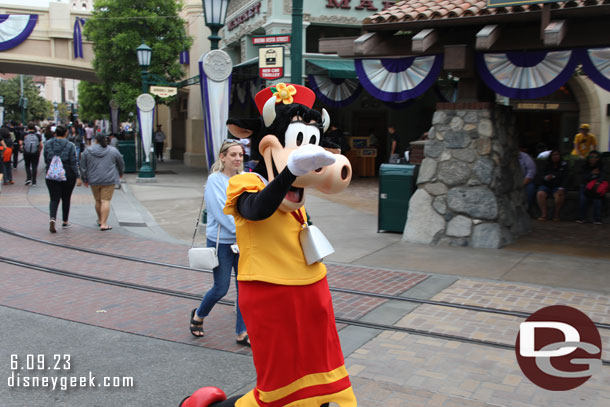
column 470, row 189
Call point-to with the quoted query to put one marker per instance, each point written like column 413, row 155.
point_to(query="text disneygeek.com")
column 26, row 373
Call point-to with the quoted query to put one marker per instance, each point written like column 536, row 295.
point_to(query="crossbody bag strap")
column 197, row 222
column 217, row 239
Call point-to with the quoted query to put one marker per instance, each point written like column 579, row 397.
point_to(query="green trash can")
column 396, row 185
column 128, row 149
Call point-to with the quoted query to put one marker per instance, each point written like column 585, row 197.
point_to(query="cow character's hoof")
column 204, row 397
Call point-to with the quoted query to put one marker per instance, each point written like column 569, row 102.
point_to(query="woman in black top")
column 61, row 190
column 553, row 182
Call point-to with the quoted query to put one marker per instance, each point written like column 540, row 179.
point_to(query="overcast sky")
column 35, row 3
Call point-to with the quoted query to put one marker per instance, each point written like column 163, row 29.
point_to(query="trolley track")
column 180, row 294
column 388, row 297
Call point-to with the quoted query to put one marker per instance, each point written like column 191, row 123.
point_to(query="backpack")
column 596, row 188
column 31, row 143
column 7, row 154
column 56, row 171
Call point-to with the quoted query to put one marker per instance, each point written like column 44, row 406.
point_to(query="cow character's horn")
column 325, row 120
column 269, row 111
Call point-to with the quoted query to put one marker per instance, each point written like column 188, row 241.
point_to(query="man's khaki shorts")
column 102, row 192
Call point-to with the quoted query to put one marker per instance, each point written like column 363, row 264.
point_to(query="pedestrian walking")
column 32, row 146
column 61, row 190
column 77, row 139
column 17, row 130
column 101, row 167
column 159, row 140
column 89, row 131
column 6, row 156
column 222, row 228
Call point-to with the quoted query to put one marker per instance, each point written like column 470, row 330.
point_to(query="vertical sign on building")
column 271, row 62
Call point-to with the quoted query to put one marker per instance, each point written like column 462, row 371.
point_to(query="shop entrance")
column 372, row 124
column 547, row 123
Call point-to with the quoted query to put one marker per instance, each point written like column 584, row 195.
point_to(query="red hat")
column 285, row 93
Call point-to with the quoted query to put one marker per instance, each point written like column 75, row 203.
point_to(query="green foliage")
column 92, row 101
column 117, row 28
column 38, row 108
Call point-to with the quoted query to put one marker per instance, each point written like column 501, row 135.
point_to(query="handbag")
column 203, row 258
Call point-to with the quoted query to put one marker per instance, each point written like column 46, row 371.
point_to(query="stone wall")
column 470, row 183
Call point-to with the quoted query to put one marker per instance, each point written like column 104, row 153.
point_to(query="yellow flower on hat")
column 284, row 93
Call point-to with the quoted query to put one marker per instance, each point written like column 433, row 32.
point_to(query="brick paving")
column 423, row 371
column 525, row 298
column 476, row 325
column 139, row 313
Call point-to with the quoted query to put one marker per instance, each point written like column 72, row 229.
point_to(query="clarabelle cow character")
column 285, row 302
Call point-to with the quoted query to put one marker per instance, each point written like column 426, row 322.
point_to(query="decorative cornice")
column 235, row 5
column 335, row 20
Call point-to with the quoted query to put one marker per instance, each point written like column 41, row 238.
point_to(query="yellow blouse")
column 270, row 249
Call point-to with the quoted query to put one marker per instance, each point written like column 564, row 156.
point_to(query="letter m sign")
column 337, row 4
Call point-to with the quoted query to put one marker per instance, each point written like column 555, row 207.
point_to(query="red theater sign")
column 270, row 39
column 247, row 14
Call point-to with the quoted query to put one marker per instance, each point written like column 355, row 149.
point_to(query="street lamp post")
column 215, row 12
column 1, row 110
column 144, row 53
column 24, row 108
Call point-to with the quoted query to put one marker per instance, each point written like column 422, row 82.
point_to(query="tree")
column 38, row 108
column 117, row 28
column 92, row 101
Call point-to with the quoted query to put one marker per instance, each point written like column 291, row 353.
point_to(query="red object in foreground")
column 204, row 397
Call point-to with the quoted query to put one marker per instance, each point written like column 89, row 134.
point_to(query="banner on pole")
column 215, row 72
column 146, row 113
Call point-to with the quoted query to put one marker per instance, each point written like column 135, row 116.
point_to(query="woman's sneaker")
column 28, row 182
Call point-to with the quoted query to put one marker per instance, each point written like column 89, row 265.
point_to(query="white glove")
column 307, row 158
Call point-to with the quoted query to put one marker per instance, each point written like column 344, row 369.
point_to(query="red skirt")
column 295, row 346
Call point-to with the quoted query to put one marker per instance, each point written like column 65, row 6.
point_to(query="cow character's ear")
column 243, row 128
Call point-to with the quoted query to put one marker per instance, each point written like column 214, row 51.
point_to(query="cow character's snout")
column 331, row 179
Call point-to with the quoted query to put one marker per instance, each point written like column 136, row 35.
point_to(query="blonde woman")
column 229, row 163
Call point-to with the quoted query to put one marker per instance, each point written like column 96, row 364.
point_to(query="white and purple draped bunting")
column 526, row 75
column 15, row 28
column 397, row 80
column 77, row 38
column 596, row 64
column 241, row 92
column 334, row 92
